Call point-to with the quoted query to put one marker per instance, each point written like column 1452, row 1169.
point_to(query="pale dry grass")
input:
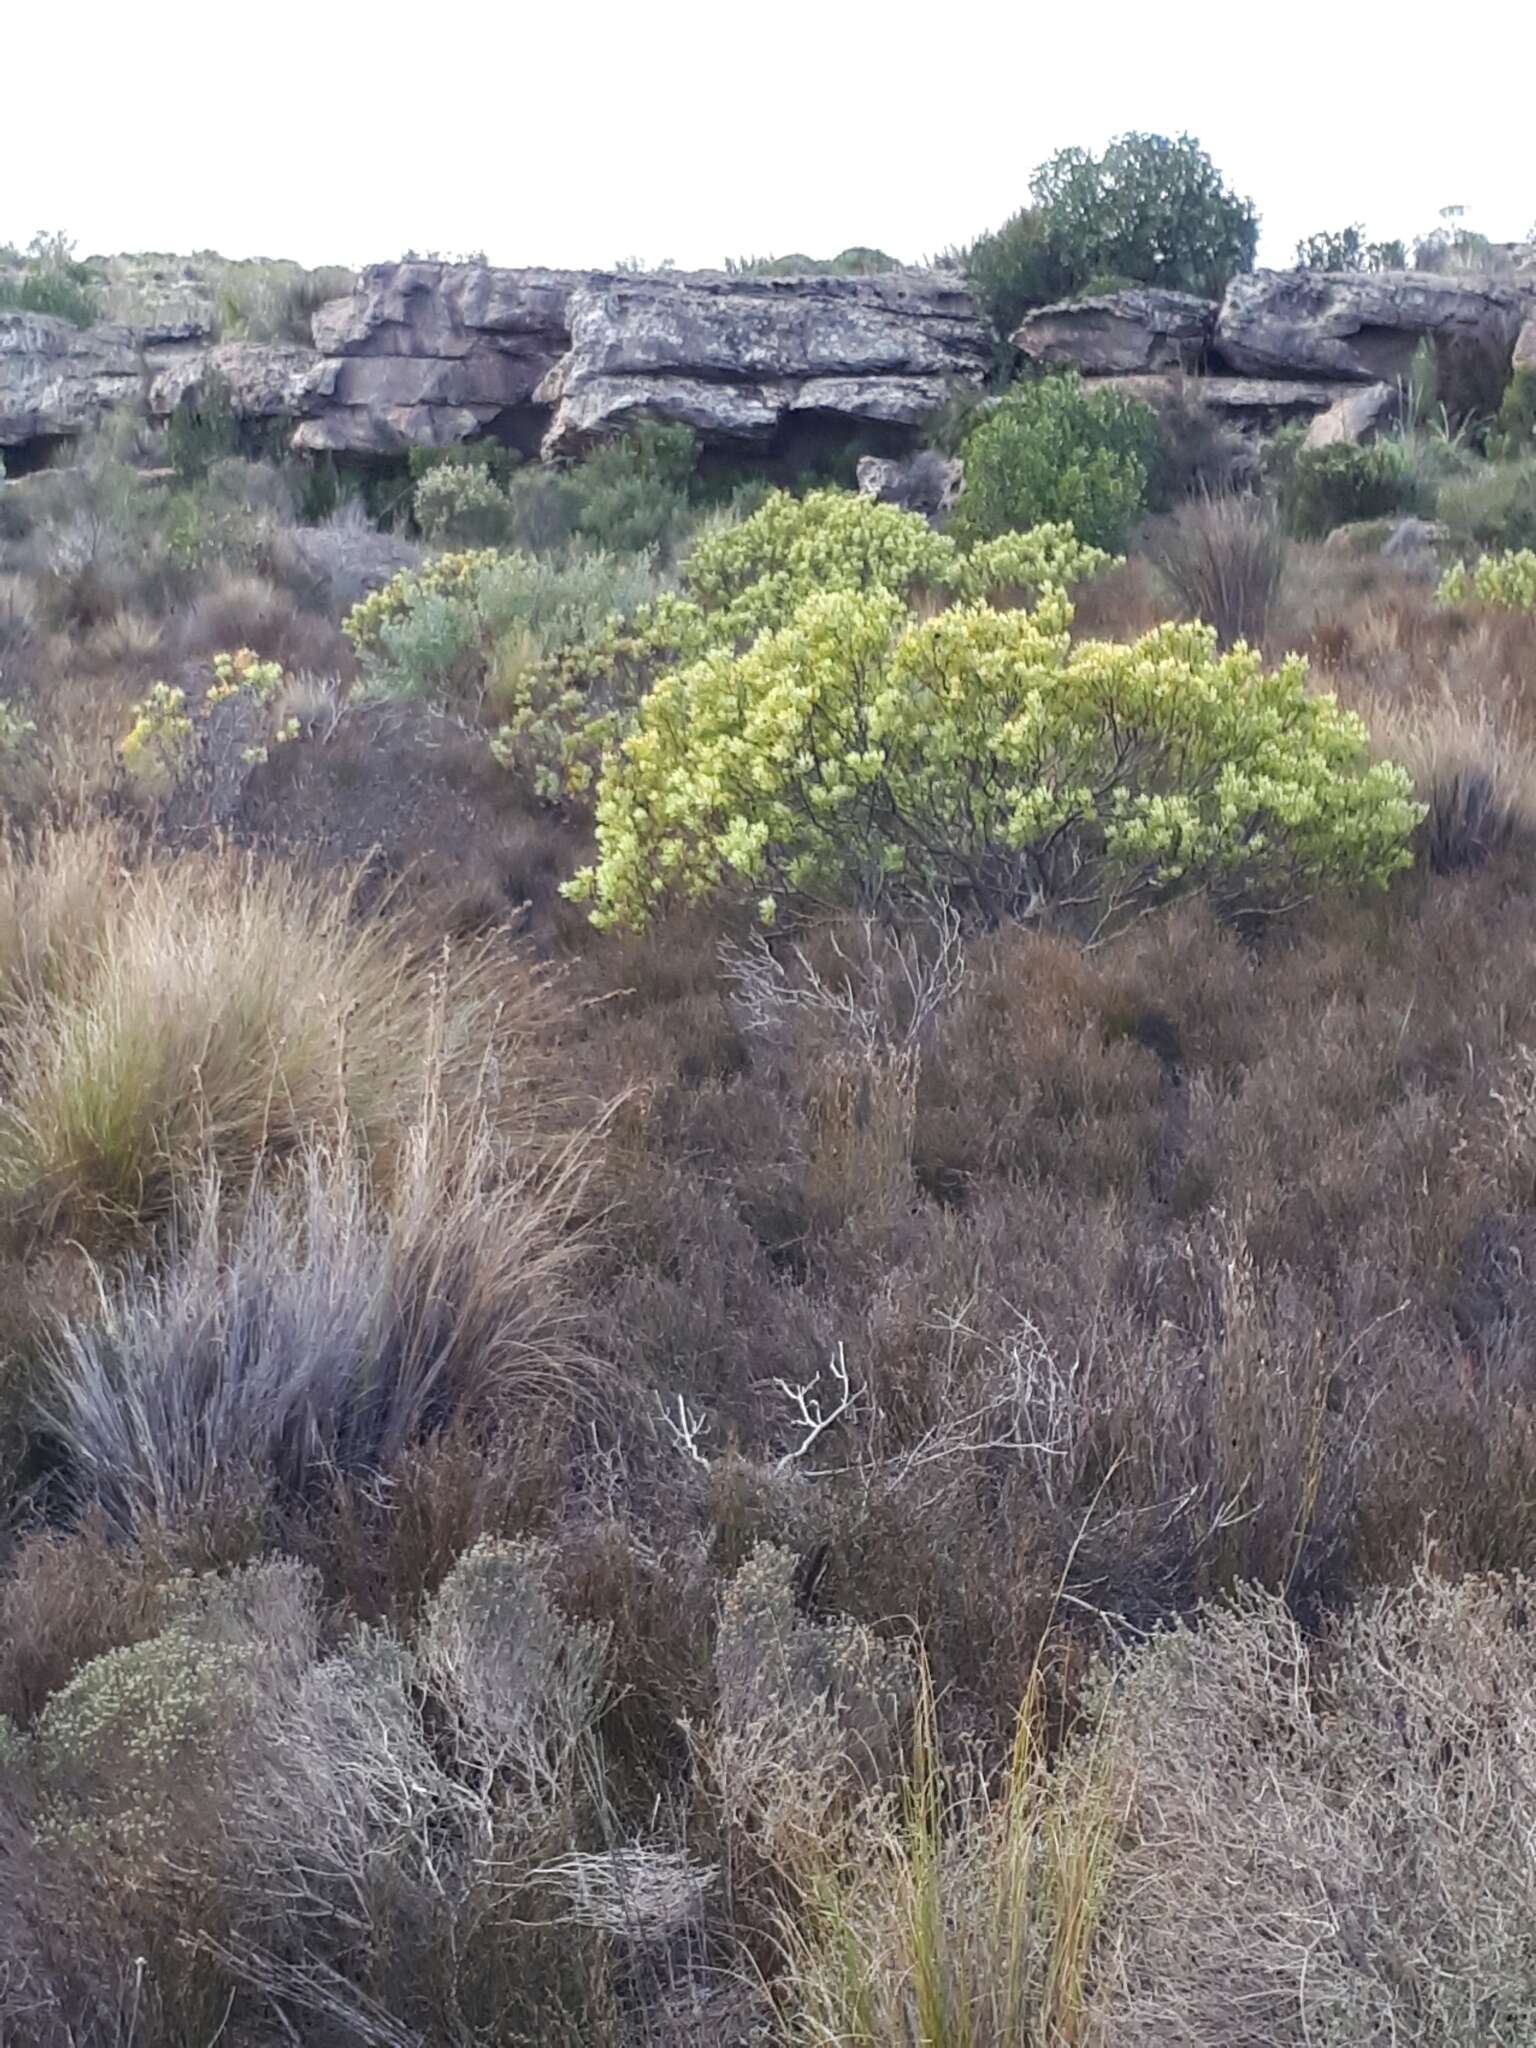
column 1473, row 770
column 962, row 1913
column 163, row 1015
column 1327, row 1842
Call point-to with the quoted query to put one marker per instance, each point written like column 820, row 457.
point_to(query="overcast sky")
column 580, row 134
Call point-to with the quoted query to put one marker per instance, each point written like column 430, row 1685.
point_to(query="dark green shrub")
column 1329, row 487
column 633, row 492
column 1056, row 450
column 1200, row 452
column 1152, row 208
column 1494, row 506
column 202, row 430
column 1012, row 269
column 631, row 495
column 1347, row 249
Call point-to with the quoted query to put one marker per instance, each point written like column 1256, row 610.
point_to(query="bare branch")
column 808, row 1414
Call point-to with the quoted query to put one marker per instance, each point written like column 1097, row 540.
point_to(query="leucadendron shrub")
column 1506, row 581
column 745, row 579
column 475, row 623
column 861, row 752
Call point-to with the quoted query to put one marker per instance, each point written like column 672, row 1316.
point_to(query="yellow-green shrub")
column 747, row 579
column 1506, row 580
column 751, row 578
column 858, row 750
column 159, row 743
column 447, row 576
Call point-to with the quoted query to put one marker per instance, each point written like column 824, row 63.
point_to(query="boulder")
column 1358, row 326
column 927, row 482
column 1525, row 345
column 426, row 354
column 57, row 380
column 1351, row 418
column 1411, row 537
column 1120, row 333
column 1412, row 544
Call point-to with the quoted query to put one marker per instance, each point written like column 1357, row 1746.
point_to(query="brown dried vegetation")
column 881, row 1486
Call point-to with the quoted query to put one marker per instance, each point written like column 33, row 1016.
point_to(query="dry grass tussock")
column 158, row 1015
column 332, row 1329
column 1223, row 557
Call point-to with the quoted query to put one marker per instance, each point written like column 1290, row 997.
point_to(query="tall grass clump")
column 333, row 1332
column 964, row 1911
column 1474, row 773
column 162, row 1015
column 1223, row 556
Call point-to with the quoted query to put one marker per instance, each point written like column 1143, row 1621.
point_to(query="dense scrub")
column 948, row 1467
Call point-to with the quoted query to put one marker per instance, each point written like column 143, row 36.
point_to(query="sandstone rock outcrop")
column 1120, row 333
column 1259, row 404
column 263, row 380
column 736, row 358
column 56, row 380
column 435, row 353
column 1358, row 326
column 551, row 361
column 426, row 354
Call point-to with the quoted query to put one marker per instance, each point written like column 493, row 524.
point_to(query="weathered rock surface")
column 1350, row 419
column 552, row 361
column 433, row 353
column 57, row 380
column 1414, row 545
column 426, row 354
column 734, row 358
column 1358, row 326
column 1414, row 540
column 927, row 482
column 263, row 380
column 1259, row 404
column 1121, row 333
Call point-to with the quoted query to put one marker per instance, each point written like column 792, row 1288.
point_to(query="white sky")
column 563, row 134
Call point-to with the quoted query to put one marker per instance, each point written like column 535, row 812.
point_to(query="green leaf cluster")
column 1328, row 487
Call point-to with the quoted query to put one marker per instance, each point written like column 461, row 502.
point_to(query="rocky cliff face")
column 549, row 361
column 425, row 354
column 434, row 353
column 56, row 381
column 1359, row 326
column 1124, row 333
column 1285, row 344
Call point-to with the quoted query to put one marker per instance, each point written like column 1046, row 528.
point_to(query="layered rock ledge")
column 426, row 354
